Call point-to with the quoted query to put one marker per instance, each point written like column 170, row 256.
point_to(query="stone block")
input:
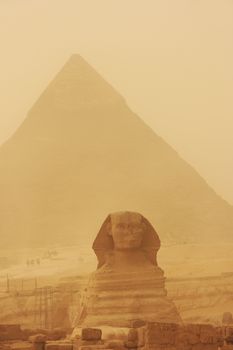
column 57, row 334
column 183, row 346
column 198, row 346
column 65, row 347
column 92, row 347
column 4, row 347
column 91, row 334
column 208, row 335
column 229, row 339
column 10, row 332
column 10, row 328
column 160, row 347
column 38, row 338
column 192, row 328
column 161, row 333
column 86, row 347
column 21, row 346
column 133, row 335
column 38, row 346
column 115, row 344
column 98, row 343
column 186, row 339
column 52, row 347
column 141, row 336
column 202, row 346
column 59, row 346
column 131, row 344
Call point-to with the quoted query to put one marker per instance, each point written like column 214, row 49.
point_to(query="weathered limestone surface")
column 10, row 332
column 91, row 334
column 150, row 336
column 58, row 346
column 156, row 336
column 128, row 284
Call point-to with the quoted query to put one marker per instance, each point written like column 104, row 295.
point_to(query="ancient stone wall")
column 149, row 336
column 155, row 336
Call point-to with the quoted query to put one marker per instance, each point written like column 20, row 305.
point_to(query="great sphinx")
column 128, row 284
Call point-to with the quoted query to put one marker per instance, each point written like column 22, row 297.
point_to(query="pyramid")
column 82, row 153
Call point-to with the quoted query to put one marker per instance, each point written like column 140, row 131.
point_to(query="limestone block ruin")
column 158, row 336
column 128, row 284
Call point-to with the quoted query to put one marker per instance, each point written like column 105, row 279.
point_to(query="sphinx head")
column 126, row 231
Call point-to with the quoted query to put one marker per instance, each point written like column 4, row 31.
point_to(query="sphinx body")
column 128, row 284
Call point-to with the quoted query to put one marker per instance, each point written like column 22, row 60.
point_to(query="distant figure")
column 38, row 261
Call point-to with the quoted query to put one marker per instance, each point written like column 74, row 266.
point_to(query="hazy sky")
column 171, row 59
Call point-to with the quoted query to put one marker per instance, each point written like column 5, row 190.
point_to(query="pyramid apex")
column 76, row 58
column 78, row 84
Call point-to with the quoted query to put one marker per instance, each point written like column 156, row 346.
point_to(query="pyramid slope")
column 82, row 153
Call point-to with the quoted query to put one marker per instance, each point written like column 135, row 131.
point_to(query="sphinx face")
column 126, row 230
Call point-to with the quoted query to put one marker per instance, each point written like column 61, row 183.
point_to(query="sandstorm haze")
column 116, row 160
column 171, row 60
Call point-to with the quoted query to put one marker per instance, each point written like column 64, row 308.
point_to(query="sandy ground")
column 183, row 265
column 178, row 261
